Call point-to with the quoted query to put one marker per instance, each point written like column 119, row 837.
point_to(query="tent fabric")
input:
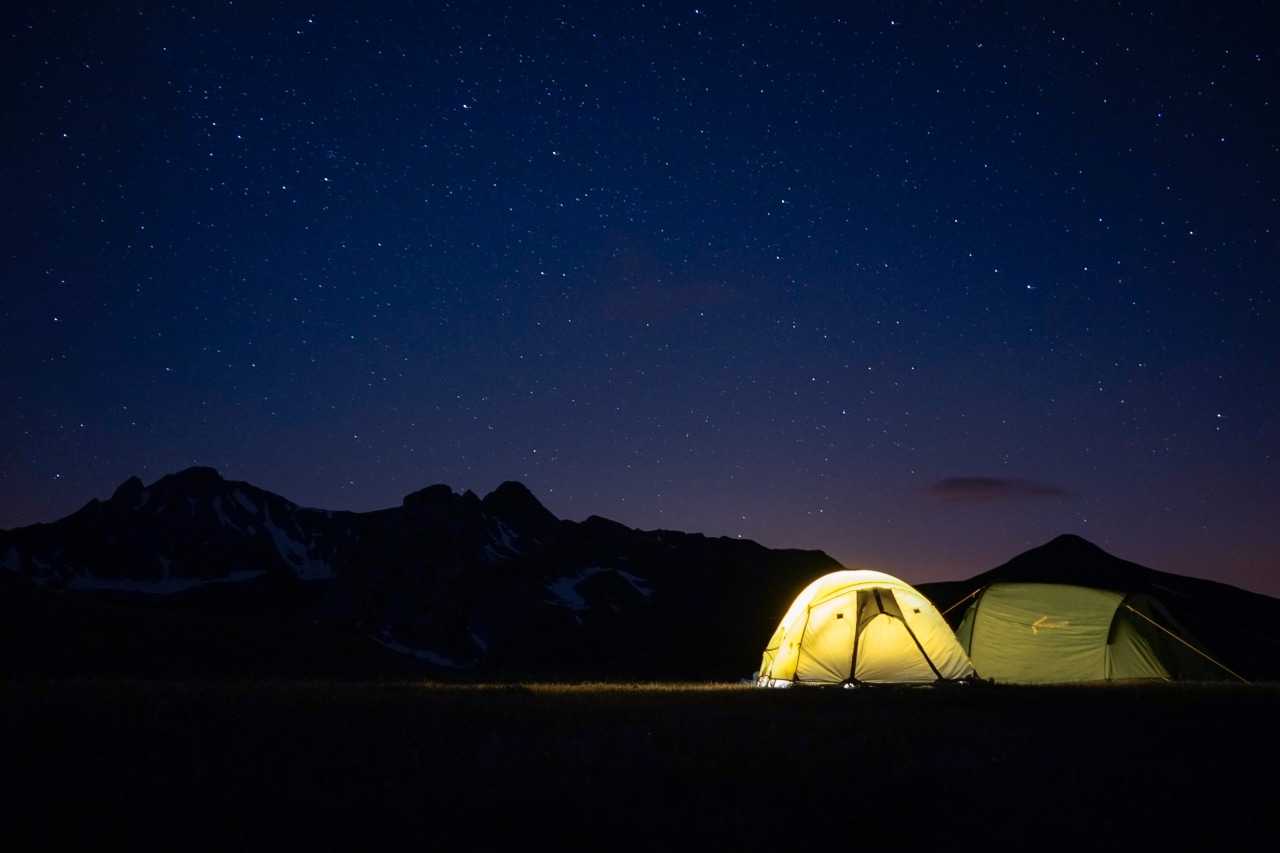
column 1036, row 633
column 861, row 626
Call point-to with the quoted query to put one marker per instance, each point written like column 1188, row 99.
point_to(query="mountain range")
column 197, row 576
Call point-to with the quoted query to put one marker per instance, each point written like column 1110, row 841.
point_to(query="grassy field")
column 636, row 766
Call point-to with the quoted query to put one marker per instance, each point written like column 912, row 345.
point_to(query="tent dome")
column 862, row 626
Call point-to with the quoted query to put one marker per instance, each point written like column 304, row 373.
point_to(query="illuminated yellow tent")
column 853, row 627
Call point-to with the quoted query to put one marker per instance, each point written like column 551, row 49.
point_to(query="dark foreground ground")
column 289, row 765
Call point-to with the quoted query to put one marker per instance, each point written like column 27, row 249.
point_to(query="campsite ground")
column 636, row 766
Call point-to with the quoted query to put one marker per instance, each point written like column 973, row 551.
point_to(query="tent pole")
column 923, row 653
column 857, row 631
column 962, row 601
column 795, row 676
column 1134, row 610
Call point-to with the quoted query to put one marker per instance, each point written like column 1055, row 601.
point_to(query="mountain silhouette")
column 195, row 575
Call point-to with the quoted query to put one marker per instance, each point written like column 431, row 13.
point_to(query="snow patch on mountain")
column 507, row 538
column 296, row 554
column 504, row 544
column 245, row 501
column 222, row 515
column 565, row 589
column 639, row 584
column 168, row 586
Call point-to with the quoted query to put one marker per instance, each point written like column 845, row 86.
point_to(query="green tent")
column 1044, row 633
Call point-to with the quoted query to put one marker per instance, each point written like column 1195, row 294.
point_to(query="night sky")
column 919, row 285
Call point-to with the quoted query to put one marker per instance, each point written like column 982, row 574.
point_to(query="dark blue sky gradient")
column 791, row 275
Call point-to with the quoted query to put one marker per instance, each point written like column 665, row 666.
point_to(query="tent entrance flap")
column 874, row 603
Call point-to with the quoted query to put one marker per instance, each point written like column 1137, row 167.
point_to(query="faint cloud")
column 983, row 489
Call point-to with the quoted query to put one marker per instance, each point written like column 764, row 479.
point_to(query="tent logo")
column 1046, row 623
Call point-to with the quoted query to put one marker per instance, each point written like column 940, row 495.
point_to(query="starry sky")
column 921, row 285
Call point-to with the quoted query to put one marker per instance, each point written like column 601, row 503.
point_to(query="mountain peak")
column 605, row 525
column 513, row 502
column 440, row 493
column 1070, row 540
column 512, row 488
column 1072, row 559
column 197, row 475
column 128, row 491
column 1070, row 546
